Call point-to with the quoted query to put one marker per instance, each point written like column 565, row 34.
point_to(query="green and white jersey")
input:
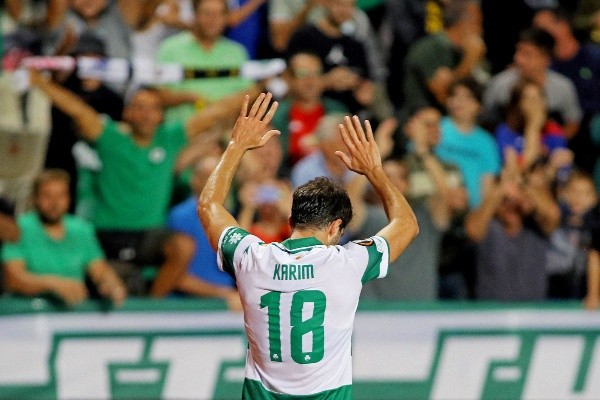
column 299, row 300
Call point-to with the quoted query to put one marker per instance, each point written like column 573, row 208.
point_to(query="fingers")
column 256, row 105
column 345, row 159
column 360, row 133
column 244, row 110
column 347, row 138
column 268, row 136
column 267, row 119
column 264, row 105
column 370, row 136
column 352, row 135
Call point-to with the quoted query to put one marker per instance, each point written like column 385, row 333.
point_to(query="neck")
column 54, row 229
column 204, row 42
column 320, row 235
column 539, row 77
column 464, row 125
column 513, row 229
column 308, row 105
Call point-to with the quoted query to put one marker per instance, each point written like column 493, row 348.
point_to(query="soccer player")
column 300, row 296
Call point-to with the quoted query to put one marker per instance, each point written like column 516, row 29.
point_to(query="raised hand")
column 249, row 129
column 363, row 151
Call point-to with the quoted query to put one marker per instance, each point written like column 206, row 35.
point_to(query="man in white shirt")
column 300, row 296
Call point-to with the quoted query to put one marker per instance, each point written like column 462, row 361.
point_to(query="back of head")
column 319, row 202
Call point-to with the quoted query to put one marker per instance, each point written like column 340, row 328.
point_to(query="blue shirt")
column 475, row 153
column 184, row 219
column 313, row 166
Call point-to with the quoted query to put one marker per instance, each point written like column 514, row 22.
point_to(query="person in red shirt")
column 298, row 116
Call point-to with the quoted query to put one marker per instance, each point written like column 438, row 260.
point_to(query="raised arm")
column 87, row 119
column 248, row 133
column 364, row 158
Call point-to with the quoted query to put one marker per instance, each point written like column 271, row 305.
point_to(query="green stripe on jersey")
column 373, row 270
column 231, row 239
column 254, row 390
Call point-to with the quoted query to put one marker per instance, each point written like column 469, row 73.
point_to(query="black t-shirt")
column 343, row 51
column 64, row 131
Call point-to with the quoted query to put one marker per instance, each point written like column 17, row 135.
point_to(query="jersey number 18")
column 299, row 328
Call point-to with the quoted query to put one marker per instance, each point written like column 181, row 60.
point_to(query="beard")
column 50, row 219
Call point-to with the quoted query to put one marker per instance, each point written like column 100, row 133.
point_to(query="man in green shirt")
column 56, row 251
column 132, row 189
column 212, row 62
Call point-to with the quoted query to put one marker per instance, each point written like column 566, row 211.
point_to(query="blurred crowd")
column 487, row 114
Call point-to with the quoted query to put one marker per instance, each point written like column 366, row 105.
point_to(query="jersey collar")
column 292, row 244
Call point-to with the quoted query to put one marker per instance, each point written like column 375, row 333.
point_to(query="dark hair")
column 513, row 115
column 50, row 175
column 472, row 86
column 539, row 38
column 319, row 202
column 456, row 11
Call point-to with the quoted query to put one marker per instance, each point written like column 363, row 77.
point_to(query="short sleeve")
column 176, row 135
column 377, row 258
column 279, row 10
column 572, row 110
column 233, row 243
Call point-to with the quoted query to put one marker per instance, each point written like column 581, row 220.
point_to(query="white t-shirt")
column 299, row 299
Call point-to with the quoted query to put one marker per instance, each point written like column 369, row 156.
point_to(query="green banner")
column 192, row 349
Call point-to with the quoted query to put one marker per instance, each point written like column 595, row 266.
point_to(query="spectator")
column 422, row 178
column 56, row 250
column 152, row 21
column 511, row 228
column 581, row 64
column 323, row 161
column 457, row 252
column 465, row 144
column 96, row 94
column 410, row 20
column 286, row 16
column 212, row 59
column 245, row 20
column 103, row 18
column 435, row 61
column 137, row 165
column 527, row 128
column 500, row 36
column 348, row 77
column 298, row 116
column 532, row 61
column 265, row 209
column 203, row 277
column 567, row 257
column 45, row 18
column 264, row 195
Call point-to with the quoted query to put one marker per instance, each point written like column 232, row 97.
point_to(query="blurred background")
column 114, row 112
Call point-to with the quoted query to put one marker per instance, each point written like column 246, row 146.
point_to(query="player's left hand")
column 250, row 127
